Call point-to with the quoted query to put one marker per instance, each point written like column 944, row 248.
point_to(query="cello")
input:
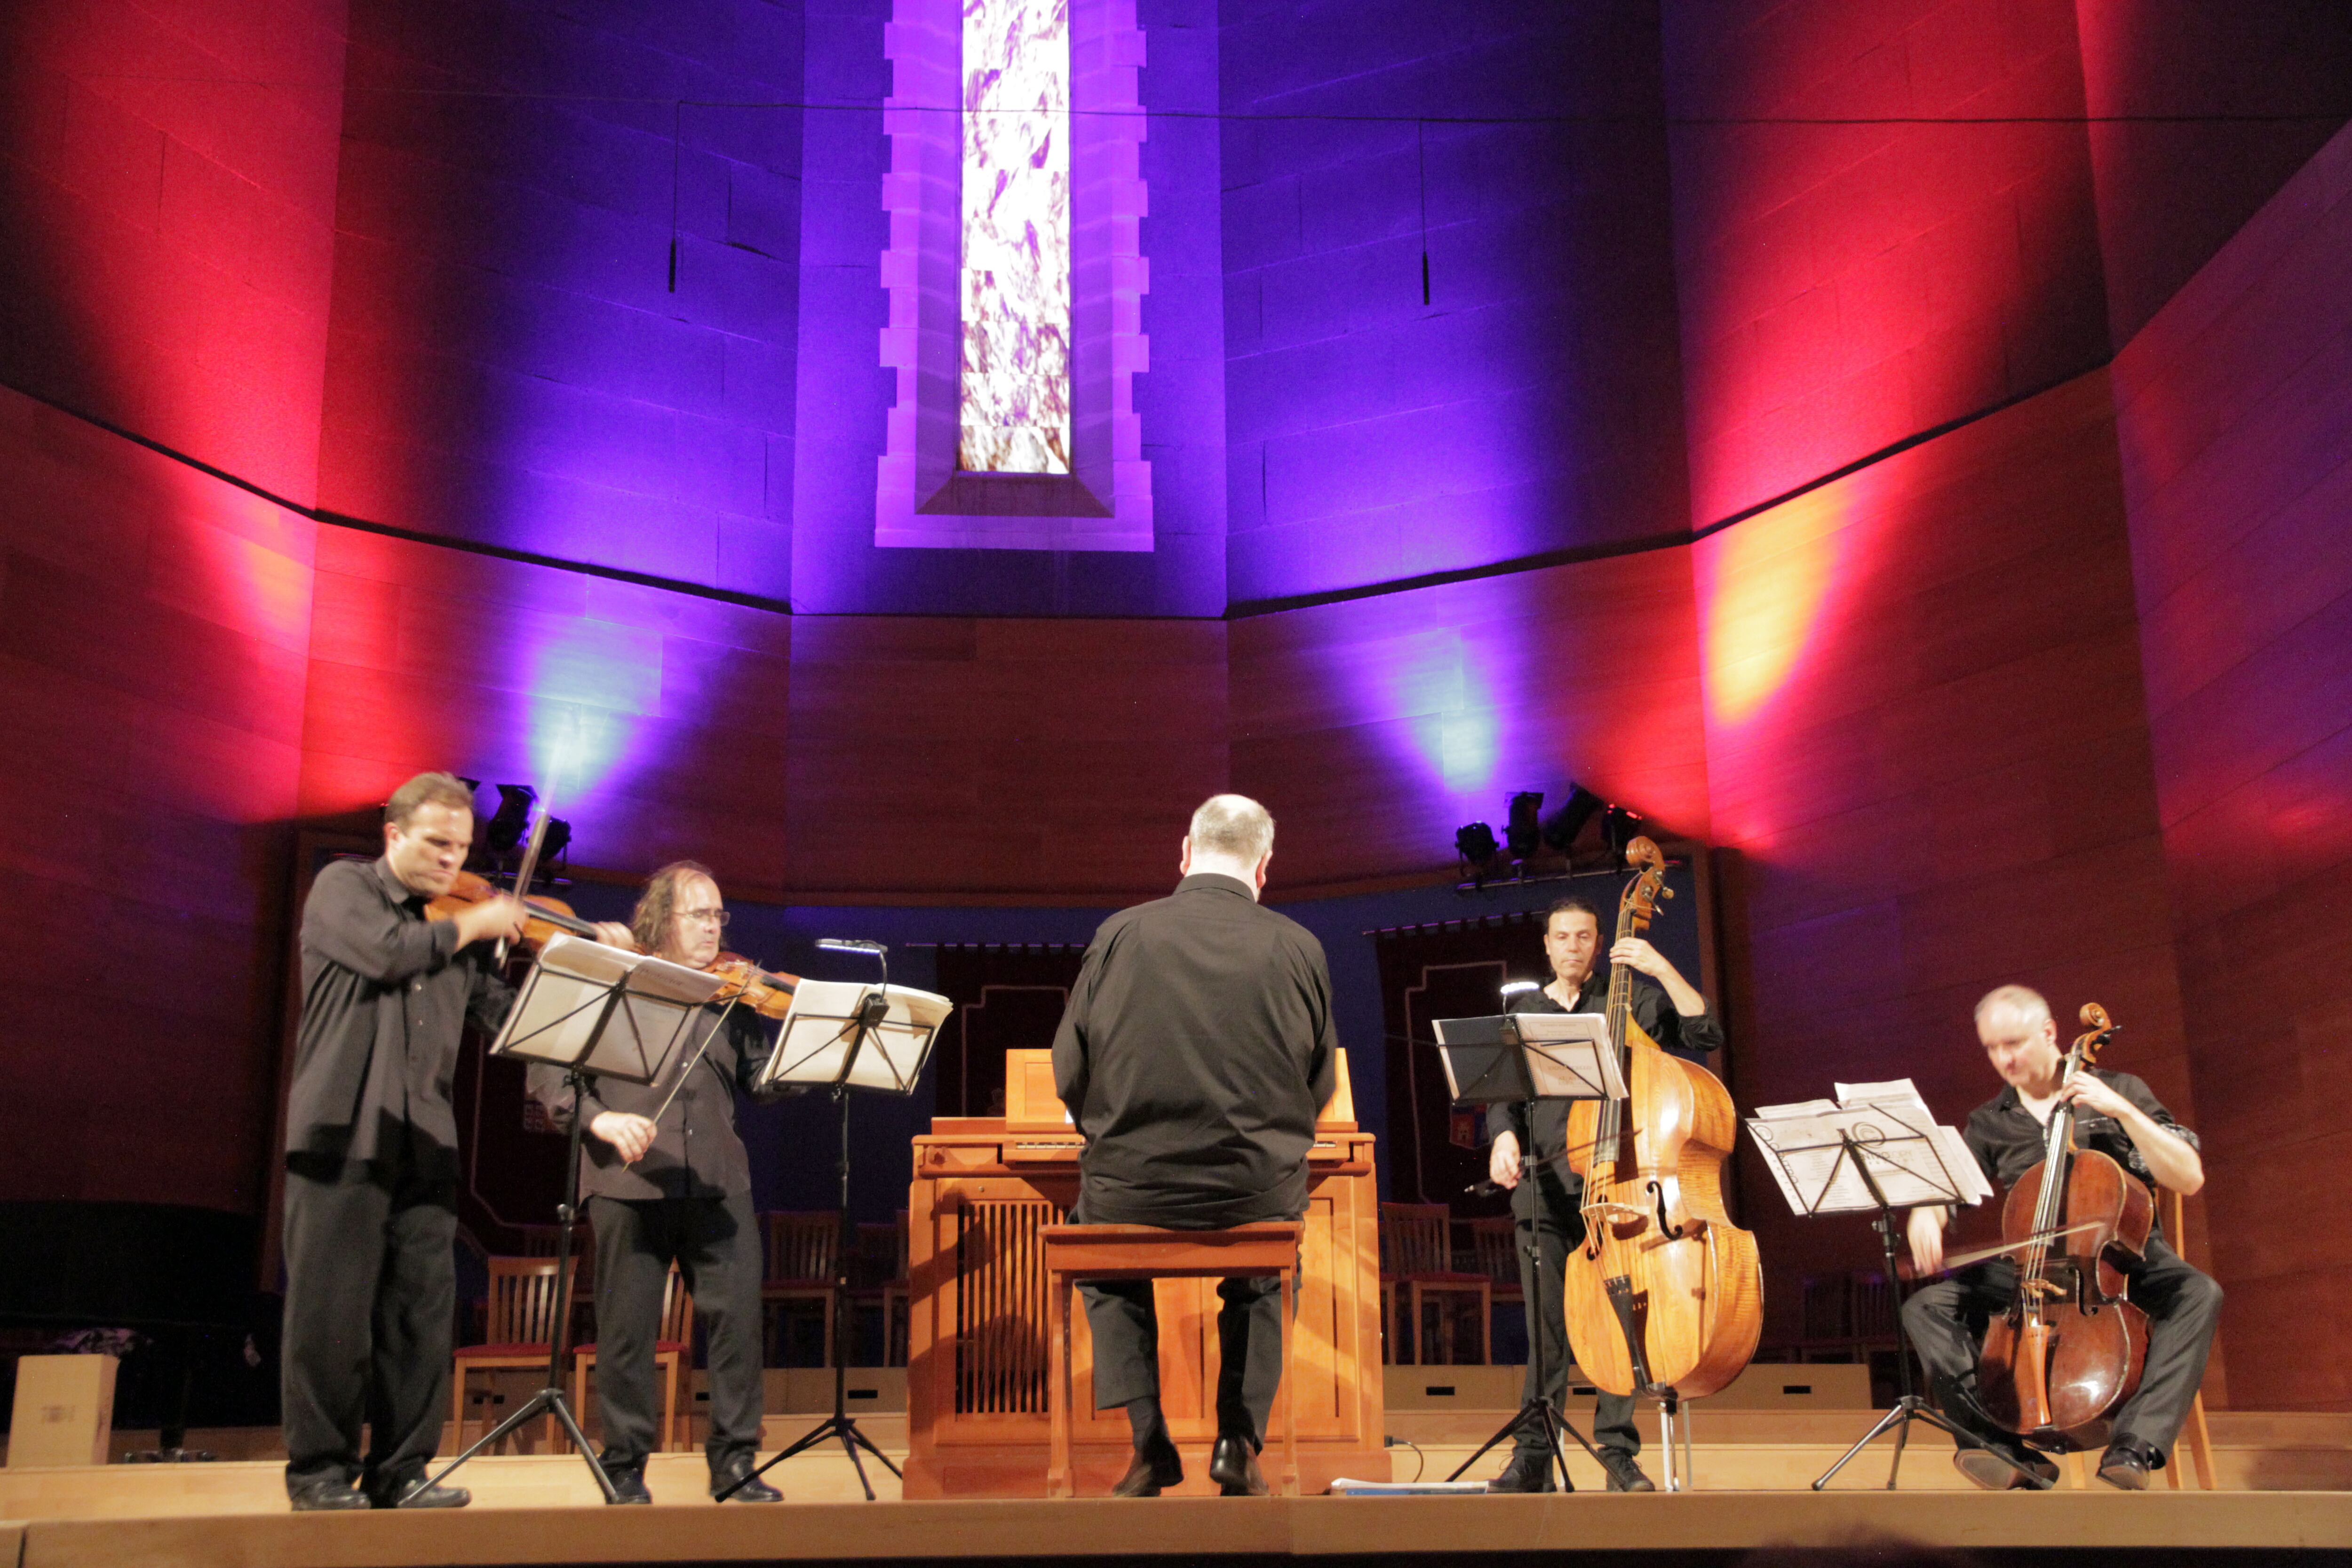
column 1664, row 1297
column 2069, row 1349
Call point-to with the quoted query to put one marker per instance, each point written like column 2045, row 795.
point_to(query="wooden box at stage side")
column 976, row 1362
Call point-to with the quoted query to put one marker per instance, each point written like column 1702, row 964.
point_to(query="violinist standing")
column 1529, row 1156
column 2116, row 1114
column 371, row 1154
column 673, row 1184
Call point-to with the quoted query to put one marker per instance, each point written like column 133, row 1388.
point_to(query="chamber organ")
column 976, row 1369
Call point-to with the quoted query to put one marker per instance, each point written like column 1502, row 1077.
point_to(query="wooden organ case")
column 976, row 1365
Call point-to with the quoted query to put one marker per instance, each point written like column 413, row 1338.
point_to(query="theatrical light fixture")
column 559, row 839
column 1476, row 843
column 1560, row 828
column 1619, row 825
column 511, row 820
column 1521, row 832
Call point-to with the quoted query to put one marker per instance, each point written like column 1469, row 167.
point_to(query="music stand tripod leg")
column 551, row 1400
column 1540, row 1409
column 840, row 1424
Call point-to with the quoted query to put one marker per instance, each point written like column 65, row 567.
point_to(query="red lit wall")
column 1844, row 287
column 167, row 211
column 1926, row 744
column 1373, row 729
column 152, row 627
column 2235, row 420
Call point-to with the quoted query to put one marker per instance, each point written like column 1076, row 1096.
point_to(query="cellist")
column 2116, row 1114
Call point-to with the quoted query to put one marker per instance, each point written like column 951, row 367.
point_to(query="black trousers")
column 371, row 1291
column 1126, row 1324
column 1945, row 1323
column 716, row 1243
column 1551, row 1214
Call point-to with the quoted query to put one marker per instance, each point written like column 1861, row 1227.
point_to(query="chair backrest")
column 539, row 1240
column 522, row 1301
column 1825, row 1305
column 802, row 1244
column 1414, row 1239
column 1494, row 1242
column 878, row 1254
column 677, row 1311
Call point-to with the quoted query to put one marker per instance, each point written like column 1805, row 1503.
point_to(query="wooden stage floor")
column 2286, row 1496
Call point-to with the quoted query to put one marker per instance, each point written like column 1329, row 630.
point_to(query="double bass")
column 2068, row 1349
column 1664, row 1297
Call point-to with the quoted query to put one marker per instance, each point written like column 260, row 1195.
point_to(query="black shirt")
column 2008, row 1140
column 696, row 1151
column 1195, row 1054
column 1689, row 1038
column 386, row 998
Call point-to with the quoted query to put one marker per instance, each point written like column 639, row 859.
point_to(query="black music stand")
column 1874, row 1142
column 595, row 1011
column 1489, row 1061
column 848, row 1037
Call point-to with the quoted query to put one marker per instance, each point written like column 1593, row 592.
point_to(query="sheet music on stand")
column 822, row 1029
column 1914, row 1159
column 603, row 1011
column 1515, row 1057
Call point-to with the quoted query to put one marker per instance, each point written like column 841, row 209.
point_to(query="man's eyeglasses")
column 706, row 917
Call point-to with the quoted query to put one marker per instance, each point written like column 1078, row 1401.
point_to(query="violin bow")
column 528, row 868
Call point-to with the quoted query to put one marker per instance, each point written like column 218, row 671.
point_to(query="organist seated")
column 1194, row 1055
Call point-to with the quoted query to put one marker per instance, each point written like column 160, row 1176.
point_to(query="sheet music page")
column 818, row 1032
column 1568, row 1052
column 1894, row 1091
column 1908, row 1153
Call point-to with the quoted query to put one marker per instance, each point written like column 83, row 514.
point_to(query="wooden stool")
column 1075, row 1252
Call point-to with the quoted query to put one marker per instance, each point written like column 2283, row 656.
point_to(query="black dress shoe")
column 416, row 1492
column 628, row 1482
column 1530, row 1471
column 1155, row 1466
column 2126, row 1464
column 2003, row 1464
column 1624, row 1474
column 326, row 1497
column 735, row 1470
column 1233, row 1465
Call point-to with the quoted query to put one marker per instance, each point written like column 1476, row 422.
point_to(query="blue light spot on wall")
column 589, row 682
column 1449, row 704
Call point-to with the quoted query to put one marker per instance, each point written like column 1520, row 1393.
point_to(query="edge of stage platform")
column 1209, row 1527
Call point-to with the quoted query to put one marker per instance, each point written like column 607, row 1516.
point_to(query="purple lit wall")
column 508, row 362
column 1533, row 406
column 845, row 394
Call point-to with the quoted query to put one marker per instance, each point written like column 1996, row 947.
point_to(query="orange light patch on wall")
column 1761, row 586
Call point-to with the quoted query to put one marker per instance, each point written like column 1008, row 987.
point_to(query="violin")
column 768, row 994
column 547, row 917
column 2069, row 1348
column 1665, row 1296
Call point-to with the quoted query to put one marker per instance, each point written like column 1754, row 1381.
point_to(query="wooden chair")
column 540, row 1241
column 804, row 1255
column 1495, row 1246
column 2196, row 1437
column 1075, row 1252
column 1417, row 1265
column 879, row 1265
column 518, row 1328
column 672, row 1354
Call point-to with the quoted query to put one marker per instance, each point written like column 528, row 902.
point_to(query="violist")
column 2116, row 1114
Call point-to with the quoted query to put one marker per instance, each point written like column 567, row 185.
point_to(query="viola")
column 2069, row 1349
column 547, row 917
column 768, row 994
column 1665, row 1296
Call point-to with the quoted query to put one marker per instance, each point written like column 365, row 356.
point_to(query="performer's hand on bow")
column 1924, row 1230
column 1503, row 1164
column 632, row 1135
column 499, row 919
column 613, row 933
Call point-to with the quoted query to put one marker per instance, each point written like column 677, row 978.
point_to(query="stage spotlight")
column 1521, row 832
column 1476, row 843
column 512, row 819
column 1560, row 828
column 1620, row 826
column 559, row 839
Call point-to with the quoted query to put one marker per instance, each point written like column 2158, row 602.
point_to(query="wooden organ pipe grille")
column 1001, row 1307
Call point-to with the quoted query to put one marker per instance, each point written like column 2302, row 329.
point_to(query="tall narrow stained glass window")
column 1013, row 381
